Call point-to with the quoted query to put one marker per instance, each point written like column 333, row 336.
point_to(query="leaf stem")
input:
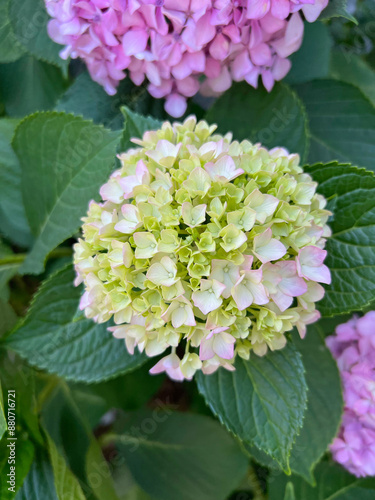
column 18, row 258
column 47, row 390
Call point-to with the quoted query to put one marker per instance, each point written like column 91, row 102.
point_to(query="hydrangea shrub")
column 206, row 242
column 204, row 260
column 172, row 43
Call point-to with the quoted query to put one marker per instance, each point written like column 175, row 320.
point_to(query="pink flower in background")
column 353, row 346
column 171, row 43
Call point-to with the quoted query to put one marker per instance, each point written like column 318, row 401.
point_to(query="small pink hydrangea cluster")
column 171, row 43
column 353, row 346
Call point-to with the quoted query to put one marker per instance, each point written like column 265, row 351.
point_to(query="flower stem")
column 18, row 258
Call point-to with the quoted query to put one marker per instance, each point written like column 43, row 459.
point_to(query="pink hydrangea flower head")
column 171, row 44
column 353, row 346
column 185, row 251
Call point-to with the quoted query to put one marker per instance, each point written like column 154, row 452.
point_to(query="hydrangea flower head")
column 353, row 346
column 172, row 43
column 203, row 244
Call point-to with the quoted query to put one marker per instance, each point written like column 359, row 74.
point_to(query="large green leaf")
column 274, row 119
column 332, row 483
column 10, row 49
column 351, row 248
column 64, row 161
column 352, row 69
column 262, row 402
column 13, row 221
column 313, row 58
column 78, row 350
column 342, row 123
column 325, row 403
column 324, row 409
column 28, row 19
column 66, row 484
column 28, row 85
column 179, row 455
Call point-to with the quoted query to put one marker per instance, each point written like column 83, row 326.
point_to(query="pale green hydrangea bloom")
column 205, row 243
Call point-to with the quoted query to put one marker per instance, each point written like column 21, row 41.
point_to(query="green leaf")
column 351, row 248
column 328, row 325
column 350, row 68
column 289, row 492
column 342, row 123
column 10, row 49
column 39, row 483
column 262, row 402
column 91, row 406
column 8, row 317
column 65, row 424
column 324, row 409
column 79, row 350
column 72, row 436
column 64, row 161
column 136, row 125
column 7, row 271
column 179, row 455
column 333, row 483
column 274, row 119
column 325, row 403
column 24, row 459
column 137, row 494
column 337, row 8
column 87, row 98
column 66, row 484
column 28, row 85
column 313, row 59
column 99, row 474
column 128, row 392
column 29, row 19
column 13, row 221
column 125, row 485
column 8, row 268
column 16, row 375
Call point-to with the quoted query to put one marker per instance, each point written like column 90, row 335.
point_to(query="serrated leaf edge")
column 363, row 171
